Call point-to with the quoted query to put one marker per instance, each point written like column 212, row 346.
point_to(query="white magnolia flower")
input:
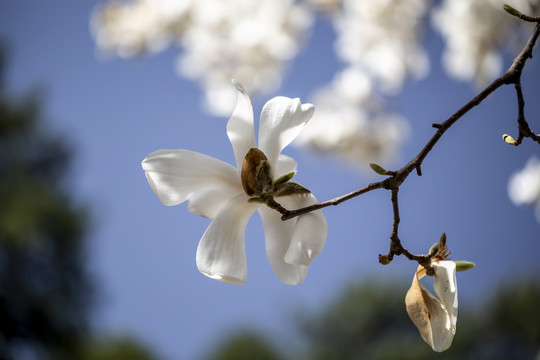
column 435, row 316
column 226, row 194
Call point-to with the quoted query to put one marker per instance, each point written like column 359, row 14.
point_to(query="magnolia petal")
column 209, row 203
column 177, row 175
column 445, row 287
column 240, row 128
column 430, row 316
column 285, row 165
column 309, row 233
column 278, row 236
column 221, row 252
column 281, row 121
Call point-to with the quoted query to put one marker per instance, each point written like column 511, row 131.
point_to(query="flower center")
column 256, row 174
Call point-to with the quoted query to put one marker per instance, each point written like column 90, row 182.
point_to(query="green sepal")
column 283, row 179
column 256, row 200
column 434, row 249
column 291, row 188
column 379, row 169
column 511, row 10
column 464, row 265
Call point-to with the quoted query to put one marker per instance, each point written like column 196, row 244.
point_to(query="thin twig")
column 396, row 178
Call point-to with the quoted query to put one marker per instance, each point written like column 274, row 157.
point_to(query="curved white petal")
column 309, row 233
column 281, row 121
column 221, row 252
column 445, row 287
column 278, row 236
column 240, row 128
column 208, row 203
column 285, row 165
column 177, row 175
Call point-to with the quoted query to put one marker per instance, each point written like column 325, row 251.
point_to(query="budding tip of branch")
column 384, row 259
column 379, row 169
column 509, row 140
column 511, row 10
column 464, row 265
column 433, row 250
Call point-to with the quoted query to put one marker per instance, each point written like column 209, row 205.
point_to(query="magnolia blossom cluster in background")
column 378, row 41
column 250, row 41
column 524, row 186
column 474, row 32
column 379, row 44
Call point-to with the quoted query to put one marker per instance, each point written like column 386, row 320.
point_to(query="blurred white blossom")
column 378, row 43
column 348, row 121
column 524, row 186
column 383, row 38
column 243, row 39
column 474, row 33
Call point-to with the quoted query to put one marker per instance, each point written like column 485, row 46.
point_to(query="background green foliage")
column 46, row 292
column 369, row 321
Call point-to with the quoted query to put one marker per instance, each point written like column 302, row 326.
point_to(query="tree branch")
column 396, row 178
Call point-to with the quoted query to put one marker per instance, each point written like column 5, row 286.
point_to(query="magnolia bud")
column 384, row 260
column 434, row 249
column 464, row 265
column 379, row 169
column 509, row 140
column 511, row 10
column 283, row 179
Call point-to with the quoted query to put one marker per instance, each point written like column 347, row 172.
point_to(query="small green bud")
column 509, row 140
column 464, row 265
column 384, row 260
column 511, row 10
column 256, row 200
column 379, row 169
column 283, row 179
column 434, row 249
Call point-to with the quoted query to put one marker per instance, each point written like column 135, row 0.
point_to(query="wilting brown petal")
column 429, row 315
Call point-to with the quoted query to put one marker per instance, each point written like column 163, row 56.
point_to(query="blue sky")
column 143, row 254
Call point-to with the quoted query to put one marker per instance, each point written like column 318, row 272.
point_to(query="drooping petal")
column 309, row 233
column 429, row 315
column 221, row 252
column 445, row 287
column 281, row 121
column 177, row 175
column 240, row 128
column 285, row 165
column 278, row 236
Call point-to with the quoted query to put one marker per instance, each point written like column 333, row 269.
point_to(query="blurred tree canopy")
column 45, row 291
column 246, row 345
column 369, row 321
